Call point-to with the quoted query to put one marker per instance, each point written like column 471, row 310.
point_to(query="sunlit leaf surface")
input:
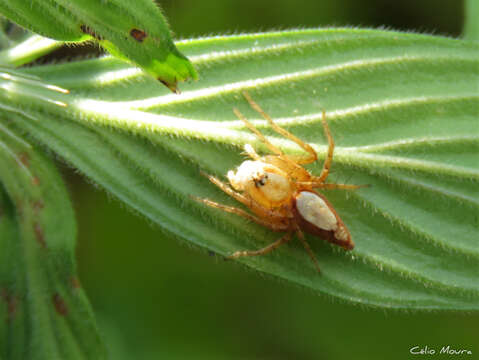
column 403, row 111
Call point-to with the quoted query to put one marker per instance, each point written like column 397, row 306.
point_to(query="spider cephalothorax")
column 280, row 191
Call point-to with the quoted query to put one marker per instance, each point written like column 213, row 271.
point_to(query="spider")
column 279, row 191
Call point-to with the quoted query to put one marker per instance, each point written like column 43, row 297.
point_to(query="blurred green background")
column 157, row 298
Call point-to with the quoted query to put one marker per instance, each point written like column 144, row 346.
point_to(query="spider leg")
column 308, row 249
column 313, row 156
column 329, row 158
column 228, row 190
column 242, row 213
column 264, row 250
column 239, row 197
column 248, row 150
column 260, row 136
column 322, row 185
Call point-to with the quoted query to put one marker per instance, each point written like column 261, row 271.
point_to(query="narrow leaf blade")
column 44, row 313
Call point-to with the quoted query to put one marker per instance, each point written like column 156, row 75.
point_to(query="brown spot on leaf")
column 39, row 235
column 138, row 35
column 12, row 302
column 60, row 305
column 24, row 158
column 172, row 87
column 35, row 181
column 12, row 306
column 75, row 282
column 37, row 206
column 87, row 30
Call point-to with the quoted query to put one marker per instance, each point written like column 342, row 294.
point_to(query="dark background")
column 156, row 298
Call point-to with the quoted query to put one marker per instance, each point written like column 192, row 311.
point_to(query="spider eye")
column 261, row 181
column 274, row 187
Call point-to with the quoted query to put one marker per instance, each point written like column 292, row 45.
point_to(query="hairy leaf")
column 44, row 313
column 138, row 34
column 402, row 109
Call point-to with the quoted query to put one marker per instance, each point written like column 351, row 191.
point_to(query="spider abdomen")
column 317, row 216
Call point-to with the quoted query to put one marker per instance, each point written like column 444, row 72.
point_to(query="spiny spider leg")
column 241, row 198
column 260, row 136
column 242, row 213
column 264, row 250
column 308, row 249
column 321, row 185
column 248, row 150
column 313, row 156
column 329, row 158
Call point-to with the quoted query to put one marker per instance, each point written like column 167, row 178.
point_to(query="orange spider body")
column 286, row 197
column 280, row 192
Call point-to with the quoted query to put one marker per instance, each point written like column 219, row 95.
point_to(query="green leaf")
column 28, row 50
column 402, row 109
column 138, row 34
column 471, row 25
column 44, row 313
